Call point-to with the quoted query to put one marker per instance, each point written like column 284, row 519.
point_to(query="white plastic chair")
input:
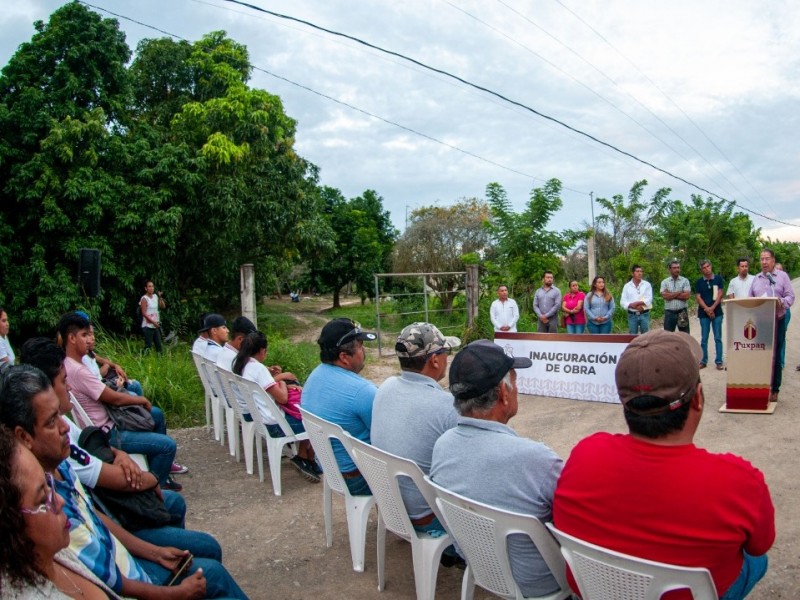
column 320, row 432
column 233, row 391
column 481, row 532
column 213, row 403
column 381, row 470
column 602, row 573
column 231, row 408
column 82, row 420
column 275, row 446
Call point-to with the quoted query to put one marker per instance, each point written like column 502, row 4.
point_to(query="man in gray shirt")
column 676, row 290
column 546, row 303
column 483, row 459
column 411, row 411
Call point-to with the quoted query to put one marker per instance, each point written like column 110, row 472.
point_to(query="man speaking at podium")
column 772, row 283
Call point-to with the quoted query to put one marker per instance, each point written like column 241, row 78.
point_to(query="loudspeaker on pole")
column 89, row 271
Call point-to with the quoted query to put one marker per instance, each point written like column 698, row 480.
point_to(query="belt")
column 422, row 521
column 352, row 474
column 636, row 312
column 679, row 310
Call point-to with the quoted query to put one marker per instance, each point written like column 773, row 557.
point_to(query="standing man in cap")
column 652, row 493
column 412, row 411
column 337, row 393
column 482, row 458
column 504, row 312
column 546, row 302
column 637, row 299
column 773, row 283
column 217, row 330
column 676, row 290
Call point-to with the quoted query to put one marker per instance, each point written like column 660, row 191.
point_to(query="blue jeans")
column 175, row 505
column 780, row 345
column 219, row 583
column 158, row 447
column 358, row 486
column 786, row 320
column 134, row 388
column 638, row 322
column 604, row 327
column 575, row 328
column 716, row 325
column 295, row 423
column 753, row 569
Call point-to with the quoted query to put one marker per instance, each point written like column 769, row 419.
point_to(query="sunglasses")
column 353, row 333
column 49, row 505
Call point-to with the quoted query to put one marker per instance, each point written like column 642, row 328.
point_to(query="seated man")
column 411, row 411
column 240, row 327
column 201, row 341
column 30, row 408
column 217, row 331
column 93, row 395
column 482, row 458
column 337, row 393
column 652, row 493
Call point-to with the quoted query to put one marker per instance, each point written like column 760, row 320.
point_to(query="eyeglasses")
column 50, row 504
column 352, row 333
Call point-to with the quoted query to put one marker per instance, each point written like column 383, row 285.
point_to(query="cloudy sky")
column 707, row 91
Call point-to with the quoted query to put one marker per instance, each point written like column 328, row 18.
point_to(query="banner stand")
column 750, row 337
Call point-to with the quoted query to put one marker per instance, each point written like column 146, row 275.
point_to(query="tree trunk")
column 336, row 303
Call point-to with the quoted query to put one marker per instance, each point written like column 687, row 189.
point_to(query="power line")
column 506, row 99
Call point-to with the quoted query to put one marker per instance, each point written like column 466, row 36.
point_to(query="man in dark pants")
column 675, row 290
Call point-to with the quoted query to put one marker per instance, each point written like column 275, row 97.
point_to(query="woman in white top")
column 6, row 351
column 149, row 306
column 284, row 389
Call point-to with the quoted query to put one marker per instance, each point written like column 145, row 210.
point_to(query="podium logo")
column 749, row 331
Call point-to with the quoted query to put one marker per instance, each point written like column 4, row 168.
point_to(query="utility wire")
column 506, row 99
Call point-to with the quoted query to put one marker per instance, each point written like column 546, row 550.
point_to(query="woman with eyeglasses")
column 34, row 534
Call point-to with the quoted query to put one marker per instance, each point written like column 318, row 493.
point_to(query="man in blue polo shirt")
column 337, row 393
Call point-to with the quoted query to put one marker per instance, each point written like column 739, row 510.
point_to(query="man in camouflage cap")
column 412, row 410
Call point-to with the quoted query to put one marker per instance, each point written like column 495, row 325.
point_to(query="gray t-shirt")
column 410, row 413
column 488, row 462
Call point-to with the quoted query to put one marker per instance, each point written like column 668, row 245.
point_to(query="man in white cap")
column 652, row 493
column 411, row 411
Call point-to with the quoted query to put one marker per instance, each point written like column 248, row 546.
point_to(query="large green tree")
column 361, row 242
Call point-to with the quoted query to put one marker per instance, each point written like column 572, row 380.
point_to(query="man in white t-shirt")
column 217, row 335
column 739, row 286
column 504, row 312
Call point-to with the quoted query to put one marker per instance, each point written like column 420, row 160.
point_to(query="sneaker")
column 177, row 469
column 305, row 469
column 452, row 561
column 173, row 485
column 315, row 465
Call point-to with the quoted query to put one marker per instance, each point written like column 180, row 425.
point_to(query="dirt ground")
column 275, row 546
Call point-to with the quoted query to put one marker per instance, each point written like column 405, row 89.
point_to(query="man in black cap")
column 652, row 493
column 482, row 458
column 217, row 330
column 199, row 345
column 337, row 393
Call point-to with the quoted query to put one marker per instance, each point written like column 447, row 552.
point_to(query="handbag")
column 683, row 318
column 133, row 510
column 131, row 417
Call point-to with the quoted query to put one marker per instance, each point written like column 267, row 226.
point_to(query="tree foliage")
column 173, row 167
column 437, row 240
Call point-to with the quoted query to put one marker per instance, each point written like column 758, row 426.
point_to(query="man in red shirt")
column 652, row 493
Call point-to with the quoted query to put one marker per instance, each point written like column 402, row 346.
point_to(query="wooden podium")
column 750, row 335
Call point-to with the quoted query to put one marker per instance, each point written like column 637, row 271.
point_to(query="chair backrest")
column 381, row 470
column 321, row 433
column 208, row 369
column 481, row 532
column 603, row 573
column 200, row 364
column 82, row 419
column 254, row 394
column 223, row 380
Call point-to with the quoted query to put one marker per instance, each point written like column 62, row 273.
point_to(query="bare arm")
column 115, row 398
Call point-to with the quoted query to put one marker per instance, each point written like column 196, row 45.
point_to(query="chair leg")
column 426, row 553
column 274, row 451
column 327, row 510
column 357, row 518
column 260, row 457
column 381, row 553
column 216, row 417
column 467, row 585
column 208, row 414
column 248, row 441
column 232, row 423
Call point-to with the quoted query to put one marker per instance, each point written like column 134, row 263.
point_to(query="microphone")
column 770, row 277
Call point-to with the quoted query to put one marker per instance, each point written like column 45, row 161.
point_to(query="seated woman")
column 34, row 534
column 284, row 389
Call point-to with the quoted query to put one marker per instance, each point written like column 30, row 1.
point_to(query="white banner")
column 580, row 367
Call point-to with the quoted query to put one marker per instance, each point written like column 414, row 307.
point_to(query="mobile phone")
column 182, row 568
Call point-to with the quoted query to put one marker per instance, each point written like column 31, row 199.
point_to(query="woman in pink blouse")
column 572, row 305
